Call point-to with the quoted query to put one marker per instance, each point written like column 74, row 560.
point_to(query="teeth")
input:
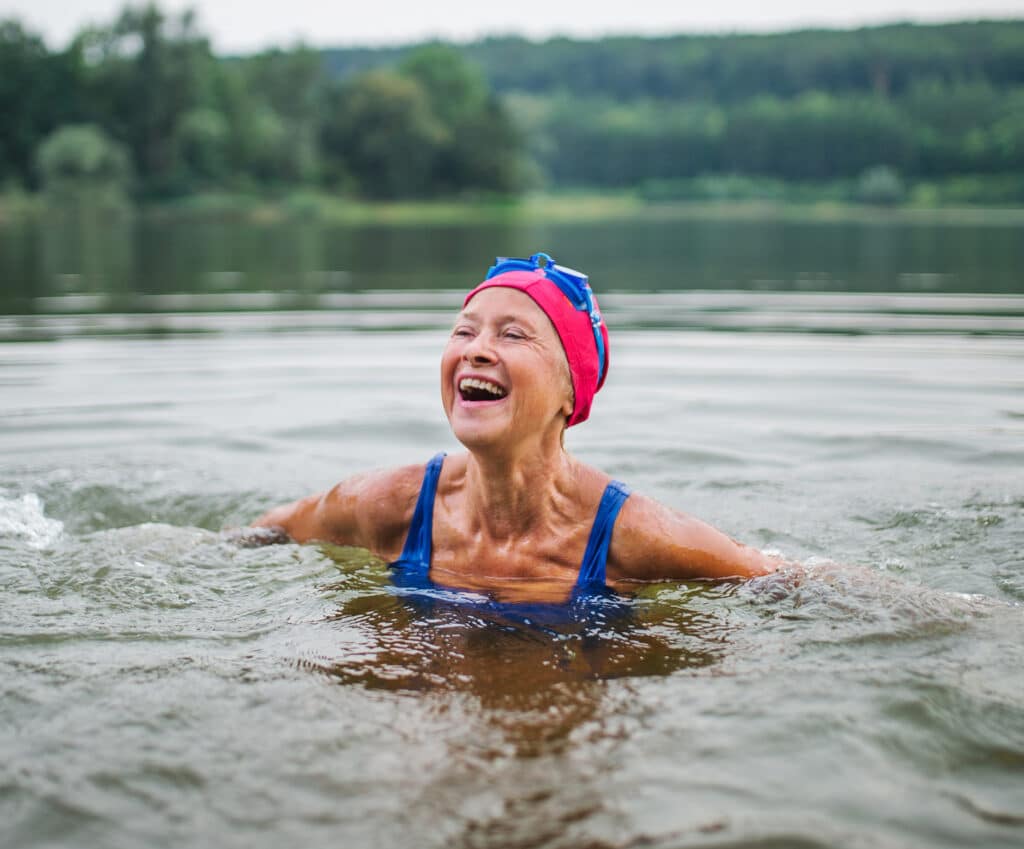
column 486, row 385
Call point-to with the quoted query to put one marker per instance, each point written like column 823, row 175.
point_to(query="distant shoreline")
column 555, row 206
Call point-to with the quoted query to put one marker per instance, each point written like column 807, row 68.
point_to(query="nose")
column 479, row 351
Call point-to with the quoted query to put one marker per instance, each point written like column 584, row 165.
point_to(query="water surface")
column 163, row 686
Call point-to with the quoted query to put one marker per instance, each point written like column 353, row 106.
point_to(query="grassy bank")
column 342, row 210
column 691, row 201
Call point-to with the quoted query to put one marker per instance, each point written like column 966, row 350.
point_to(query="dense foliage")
column 880, row 108
column 150, row 86
column 927, row 102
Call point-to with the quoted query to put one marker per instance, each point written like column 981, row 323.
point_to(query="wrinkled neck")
column 511, row 496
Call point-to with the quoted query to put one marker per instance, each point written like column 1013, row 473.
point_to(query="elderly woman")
column 526, row 356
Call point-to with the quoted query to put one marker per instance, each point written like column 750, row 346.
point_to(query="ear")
column 570, row 395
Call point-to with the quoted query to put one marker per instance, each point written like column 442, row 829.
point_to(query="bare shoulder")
column 372, row 510
column 652, row 541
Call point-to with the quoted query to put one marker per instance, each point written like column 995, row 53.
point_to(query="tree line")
column 924, row 102
column 728, row 68
column 145, row 103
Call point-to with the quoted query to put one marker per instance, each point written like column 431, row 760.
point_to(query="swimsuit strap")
column 592, row 570
column 418, row 542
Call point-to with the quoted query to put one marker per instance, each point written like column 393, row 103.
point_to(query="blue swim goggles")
column 573, row 284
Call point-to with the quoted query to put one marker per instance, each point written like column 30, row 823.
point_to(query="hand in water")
column 255, row 537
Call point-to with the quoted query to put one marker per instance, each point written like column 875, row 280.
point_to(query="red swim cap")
column 573, row 327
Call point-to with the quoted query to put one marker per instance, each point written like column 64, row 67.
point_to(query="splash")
column 23, row 519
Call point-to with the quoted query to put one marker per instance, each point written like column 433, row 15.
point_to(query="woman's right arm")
column 371, row 510
column 308, row 518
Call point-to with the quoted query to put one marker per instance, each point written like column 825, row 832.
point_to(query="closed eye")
column 515, row 331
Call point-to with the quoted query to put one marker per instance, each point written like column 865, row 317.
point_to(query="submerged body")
column 516, row 507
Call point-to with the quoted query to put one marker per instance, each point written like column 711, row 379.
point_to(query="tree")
column 202, row 142
column 37, row 93
column 381, row 130
column 144, row 75
column 880, row 185
column 481, row 149
column 291, row 84
column 455, row 89
column 486, row 153
column 82, row 160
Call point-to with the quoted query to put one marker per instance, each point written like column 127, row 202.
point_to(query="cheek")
column 451, row 355
column 549, row 385
column 449, row 361
column 561, row 380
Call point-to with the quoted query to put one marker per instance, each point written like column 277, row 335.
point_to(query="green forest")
column 143, row 108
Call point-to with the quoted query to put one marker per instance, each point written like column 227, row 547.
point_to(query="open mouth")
column 475, row 389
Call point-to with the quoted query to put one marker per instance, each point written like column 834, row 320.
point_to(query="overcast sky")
column 246, row 25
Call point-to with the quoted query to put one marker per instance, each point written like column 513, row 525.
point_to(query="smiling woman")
column 526, row 356
column 503, row 374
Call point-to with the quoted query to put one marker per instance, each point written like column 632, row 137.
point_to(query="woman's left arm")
column 652, row 542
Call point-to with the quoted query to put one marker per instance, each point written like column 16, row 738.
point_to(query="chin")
column 478, row 434
column 487, row 434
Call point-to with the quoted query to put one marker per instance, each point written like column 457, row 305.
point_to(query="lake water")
column 162, row 686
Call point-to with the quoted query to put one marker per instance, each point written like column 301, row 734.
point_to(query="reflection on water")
column 536, row 668
column 104, row 261
column 160, row 274
column 847, row 314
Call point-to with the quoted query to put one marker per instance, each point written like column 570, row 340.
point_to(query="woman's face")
column 504, row 376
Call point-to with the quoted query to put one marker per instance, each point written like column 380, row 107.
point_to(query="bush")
column 82, row 157
column 972, row 189
column 880, row 185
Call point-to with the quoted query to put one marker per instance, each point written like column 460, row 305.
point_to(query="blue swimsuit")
column 415, row 558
